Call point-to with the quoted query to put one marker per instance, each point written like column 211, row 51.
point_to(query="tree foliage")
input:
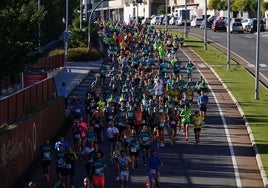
column 19, row 30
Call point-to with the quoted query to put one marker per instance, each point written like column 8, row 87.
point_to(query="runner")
column 173, row 121
column 161, row 121
column 202, row 102
column 113, row 136
column 146, row 140
column 122, row 166
column 186, row 115
column 98, row 169
column 77, row 130
column 154, row 166
column 46, row 156
column 60, row 165
column 134, row 145
column 198, row 122
column 87, row 156
column 70, row 157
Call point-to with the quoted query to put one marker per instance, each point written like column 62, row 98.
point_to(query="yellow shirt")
column 197, row 121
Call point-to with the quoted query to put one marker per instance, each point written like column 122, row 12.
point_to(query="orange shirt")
column 137, row 118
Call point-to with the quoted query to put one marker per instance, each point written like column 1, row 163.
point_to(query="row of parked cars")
column 161, row 20
column 239, row 25
column 215, row 23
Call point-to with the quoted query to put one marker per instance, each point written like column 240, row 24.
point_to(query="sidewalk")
column 74, row 73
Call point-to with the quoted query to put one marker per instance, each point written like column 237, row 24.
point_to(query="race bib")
column 97, row 125
column 47, row 154
column 98, row 170
column 77, row 135
column 161, row 124
column 68, row 166
column 133, row 149
column 172, row 122
column 124, row 173
column 152, row 171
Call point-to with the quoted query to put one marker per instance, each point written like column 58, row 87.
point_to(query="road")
column 242, row 44
column 207, row 165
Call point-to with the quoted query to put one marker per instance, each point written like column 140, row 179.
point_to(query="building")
column 124, row 10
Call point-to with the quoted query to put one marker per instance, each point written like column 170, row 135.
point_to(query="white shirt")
column 111, row 131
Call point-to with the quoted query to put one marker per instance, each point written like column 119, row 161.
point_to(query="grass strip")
column 242, row 86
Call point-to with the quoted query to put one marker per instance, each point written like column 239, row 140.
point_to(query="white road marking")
column 202, row 65
column 263, row 65
column 248, row 36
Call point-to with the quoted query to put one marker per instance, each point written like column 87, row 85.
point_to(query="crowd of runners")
column 141, row 93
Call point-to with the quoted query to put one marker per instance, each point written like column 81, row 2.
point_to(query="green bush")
column 56, row 52
column 79, row 54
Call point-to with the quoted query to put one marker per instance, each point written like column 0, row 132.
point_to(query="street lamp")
column 258, row 51
column 228, row 37
column 65, row 35
column 89, row 25
column 205, row 29
column 39, row 27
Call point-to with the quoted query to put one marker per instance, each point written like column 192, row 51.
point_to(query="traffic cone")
column 147, row 184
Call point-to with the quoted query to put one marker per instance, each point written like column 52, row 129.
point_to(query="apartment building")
column 123, row 10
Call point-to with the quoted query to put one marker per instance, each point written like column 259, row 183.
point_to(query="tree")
column 19, row 31
column 18, row 25
column 213, row 4
column 161, row 10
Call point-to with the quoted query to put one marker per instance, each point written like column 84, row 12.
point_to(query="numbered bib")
column 152, row 171
column 124, row 173
column 133, row 149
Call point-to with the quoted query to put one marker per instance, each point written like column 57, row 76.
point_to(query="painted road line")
column 263, row 65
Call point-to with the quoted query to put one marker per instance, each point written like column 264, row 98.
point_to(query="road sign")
column 66, row 36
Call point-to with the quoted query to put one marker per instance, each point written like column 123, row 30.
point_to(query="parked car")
column 209, row 24
column 159, row 21
column 164, row 20
column 236, row 27
column 154, row 20
column 146, row 21
column 245, row 22
column 210, row 21
column 182, row 22
column 196, row 22
column 252, row 25
column 218, row 25
column 173, row 20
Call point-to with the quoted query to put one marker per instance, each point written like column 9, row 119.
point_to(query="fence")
column 26, row 100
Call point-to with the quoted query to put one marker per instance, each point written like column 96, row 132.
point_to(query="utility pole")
column 228, row 37
column 205, row 29
column 166, row 24
column 185, row 19
column 39, row 27
column 66, row 32
column 258, row 51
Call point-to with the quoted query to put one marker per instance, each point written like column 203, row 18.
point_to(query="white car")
column 154, row 20
column 173, row 20
column 196, row 22
column 182, row 22
column 245, row 23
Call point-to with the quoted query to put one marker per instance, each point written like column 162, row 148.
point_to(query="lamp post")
column 257, row 51
column 166, row 24
column 205, row 29
column 228, row 37
column 185, row 19
column 66, row 20
column 39, row 27
column 89, row 20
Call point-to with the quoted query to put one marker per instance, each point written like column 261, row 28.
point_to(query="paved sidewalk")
column 74, row 73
